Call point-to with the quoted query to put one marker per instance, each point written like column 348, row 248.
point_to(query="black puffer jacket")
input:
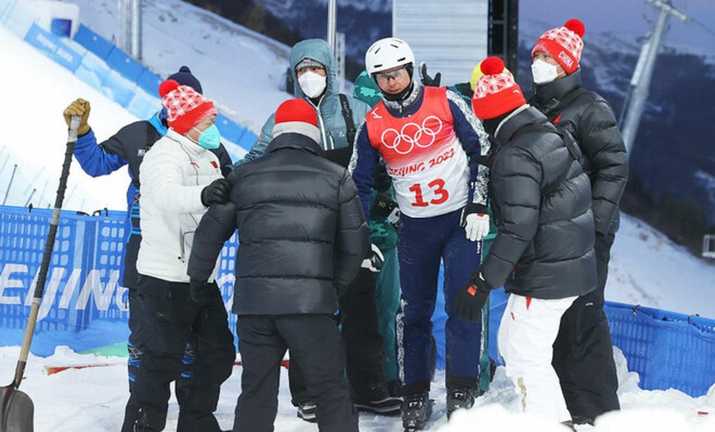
column 542, row 206
column 301, row 230
column 590, row 120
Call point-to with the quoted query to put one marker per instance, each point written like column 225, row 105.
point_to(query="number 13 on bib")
column 423, row 156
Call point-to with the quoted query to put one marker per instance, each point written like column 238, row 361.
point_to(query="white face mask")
column 543, row 72
column 312, row 84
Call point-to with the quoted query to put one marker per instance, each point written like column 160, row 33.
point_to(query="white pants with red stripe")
column 527, row 332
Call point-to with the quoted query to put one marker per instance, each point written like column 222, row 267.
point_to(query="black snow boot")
column 569, row 424
column 308, row 411
column 377, row 400
column 416, row 411
column 459, row 398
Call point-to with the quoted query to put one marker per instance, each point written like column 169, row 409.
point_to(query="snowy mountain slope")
column 93, row 400
column 37, row 90
column 289, row 8
column 649, row 269
column 238, row 68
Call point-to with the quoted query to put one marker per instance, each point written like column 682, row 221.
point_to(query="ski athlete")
column 431, row 144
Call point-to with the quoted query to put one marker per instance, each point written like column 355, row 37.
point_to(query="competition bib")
column 425, row 159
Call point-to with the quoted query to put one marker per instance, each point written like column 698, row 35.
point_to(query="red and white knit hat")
column 496, row 93
column 185, row 107
column 297, row 116
column 563, row 44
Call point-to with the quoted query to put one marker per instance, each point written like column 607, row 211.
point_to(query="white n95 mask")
column 543, row 72
column 312, row 84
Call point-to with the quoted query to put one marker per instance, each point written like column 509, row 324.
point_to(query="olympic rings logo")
column 411, row 135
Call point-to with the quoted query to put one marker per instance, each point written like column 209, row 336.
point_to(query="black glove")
column 382, row 207
column 202, row 292
column 374, row 260
column 427, row 80
column 469, row 301
column 217, row 192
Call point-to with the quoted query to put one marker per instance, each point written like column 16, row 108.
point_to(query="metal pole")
column 29, row 199
column 136, row 30
column 332, row 23
column 643, row 79
column 340, row 59
column 4, row 163
column 637, row 74
column 42, row 193
column 69, row 196
column 124, row 27
column 9, row 185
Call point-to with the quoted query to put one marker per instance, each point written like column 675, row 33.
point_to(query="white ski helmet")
column 386, row 54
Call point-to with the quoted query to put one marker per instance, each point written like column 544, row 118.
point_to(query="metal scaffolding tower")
column 640, row 83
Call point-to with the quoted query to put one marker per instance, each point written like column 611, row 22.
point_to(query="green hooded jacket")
column 332, row 123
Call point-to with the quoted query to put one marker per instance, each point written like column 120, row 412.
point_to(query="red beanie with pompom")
column 563, row 44
column 185, row 107
column 496, row 92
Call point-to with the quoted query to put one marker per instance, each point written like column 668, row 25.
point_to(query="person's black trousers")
column 314, row 342
column 583, row 352
column 169, row 319
column 362, row 339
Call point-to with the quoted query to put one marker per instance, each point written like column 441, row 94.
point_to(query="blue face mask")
column 210, row 138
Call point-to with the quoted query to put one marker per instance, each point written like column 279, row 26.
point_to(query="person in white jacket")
column 180, row 179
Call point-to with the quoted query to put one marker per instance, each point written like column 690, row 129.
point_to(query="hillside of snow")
column 240, row 69
column 649, row 269
column 37, row 90
column 93, row 400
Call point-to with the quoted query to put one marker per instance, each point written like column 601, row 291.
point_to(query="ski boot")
column 459, row 398
column 308, row 411
column 416, row 411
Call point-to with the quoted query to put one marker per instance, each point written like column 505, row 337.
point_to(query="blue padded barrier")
column 118, row 88
column 53, row 47
column 124, row 64
column 149, row 82
column 93, row 42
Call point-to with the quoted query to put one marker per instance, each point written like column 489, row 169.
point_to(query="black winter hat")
column 185, row 77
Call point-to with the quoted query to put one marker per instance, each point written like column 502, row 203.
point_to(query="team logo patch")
column 565, row 58
column 214, row 164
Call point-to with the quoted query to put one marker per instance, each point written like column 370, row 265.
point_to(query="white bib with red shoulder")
column 425, row 159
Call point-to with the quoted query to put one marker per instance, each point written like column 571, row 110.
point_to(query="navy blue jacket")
column 468, row 128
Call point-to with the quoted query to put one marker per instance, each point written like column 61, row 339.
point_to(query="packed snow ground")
column 93, row 399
